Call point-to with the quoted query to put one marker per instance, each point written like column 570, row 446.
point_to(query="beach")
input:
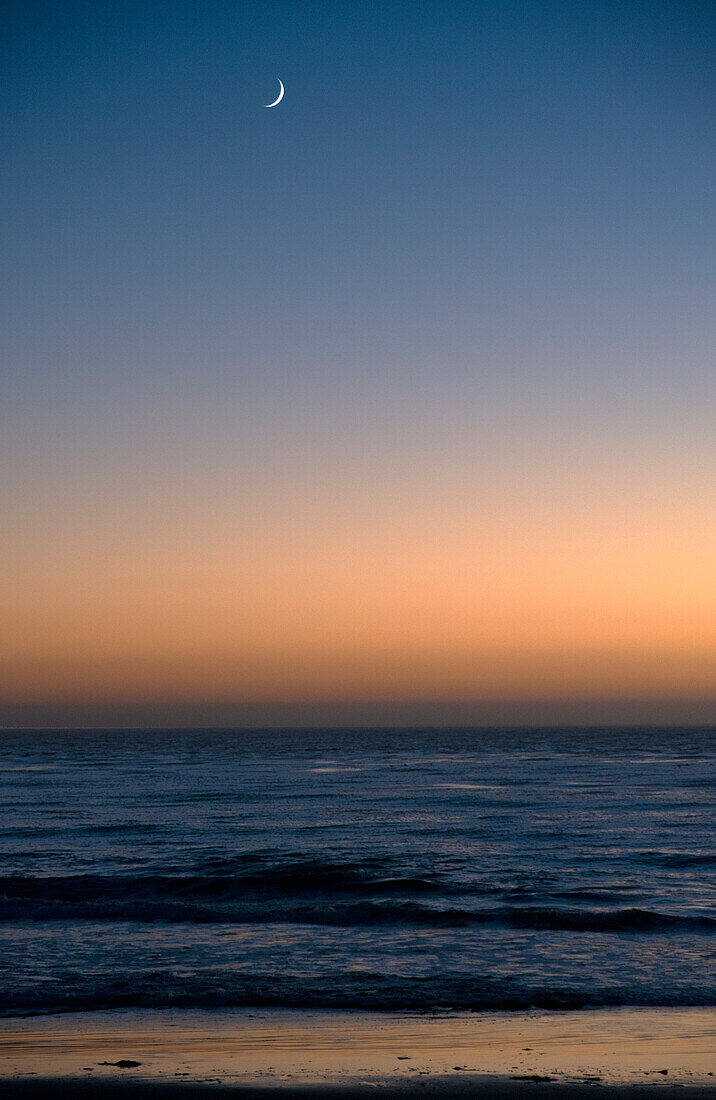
column 441, row 1088
column 247, row 1053
column 420, row 912
column 357, row 588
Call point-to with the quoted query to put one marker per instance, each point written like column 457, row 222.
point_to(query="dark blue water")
column 372, row 869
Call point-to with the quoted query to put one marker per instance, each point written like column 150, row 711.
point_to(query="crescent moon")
column 280, row 97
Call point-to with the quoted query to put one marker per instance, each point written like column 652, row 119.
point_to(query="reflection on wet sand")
column 302, row 1047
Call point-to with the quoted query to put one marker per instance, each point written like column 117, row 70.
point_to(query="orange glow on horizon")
column 527, row 602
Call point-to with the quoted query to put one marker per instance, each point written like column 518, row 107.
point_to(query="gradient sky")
column 396, row 402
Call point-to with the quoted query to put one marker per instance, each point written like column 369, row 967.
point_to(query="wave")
column 345, row 989
column 229, row 880
column 678, row 859
column 305, row 895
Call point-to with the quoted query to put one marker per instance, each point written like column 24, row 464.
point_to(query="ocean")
column 375, row 869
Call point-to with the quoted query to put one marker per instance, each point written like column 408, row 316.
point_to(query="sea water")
column 373, row 869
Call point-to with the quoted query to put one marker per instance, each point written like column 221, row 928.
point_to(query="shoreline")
column 310, row 1053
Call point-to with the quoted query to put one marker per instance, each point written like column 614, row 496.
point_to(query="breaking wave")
column 345, row 989
column 310, row 892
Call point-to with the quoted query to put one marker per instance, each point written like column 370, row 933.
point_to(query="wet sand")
column 243, row 1053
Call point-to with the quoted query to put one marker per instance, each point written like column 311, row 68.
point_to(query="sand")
column 612, row 1053
column 436, row 1089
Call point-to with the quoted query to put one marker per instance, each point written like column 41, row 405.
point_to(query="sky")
column 392, row 403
